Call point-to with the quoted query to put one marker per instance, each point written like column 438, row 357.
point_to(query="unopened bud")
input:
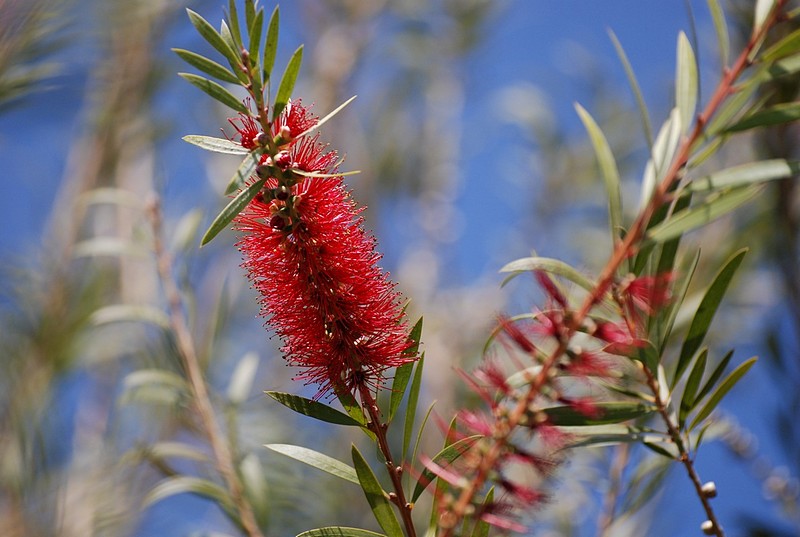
column 277, row 222
column 709, row 490
column 283, row 160
column 708, row 527
column 282, row 193
column 285, row 133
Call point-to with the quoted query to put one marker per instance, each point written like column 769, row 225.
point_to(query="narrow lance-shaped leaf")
column 313, row 409
column 481, row 528
column 446, row 456
column 215, row 91
column 287, row 82
column 376, row 497
column 724, row 387
column 711, row 383
column 316, row 459
column 776, row 115
column 249, row 12
column 612, row 412
column 213, row 37
column 243, row 172
column 339, row 531
column 663, row 151
column 231, row 210
column 692, row 384
column 411, row 407
column 403, row 373
column 118, row 313
column 785, row 47
column 685, row 82
column 271, row 44
column 553, row 266
column 227, row 36
column 721, row 29
column 233, row 18
column 745, row 174
column 186, row 484
column 209, row 67
column 255, row 34
column 705, row 312
column 608, row 168
column 217, row 145
column 637, row 92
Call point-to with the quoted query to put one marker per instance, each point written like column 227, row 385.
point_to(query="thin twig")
column 201, row 399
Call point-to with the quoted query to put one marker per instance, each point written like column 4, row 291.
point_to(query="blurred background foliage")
column 455, row 188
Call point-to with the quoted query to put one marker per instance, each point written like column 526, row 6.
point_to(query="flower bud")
column 708, row 527
column 282, row 160
column 710, row 490
column 277, row 222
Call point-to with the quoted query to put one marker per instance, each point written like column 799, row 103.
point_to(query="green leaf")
column 339, row 531
column 322, row 121
column 762, row 11
column 209, row 67
column 313, row 409
column 352, row 408
column 179, row 450
column 109, row 246
column 711, row 383
column 411, row 407
column 692, row 384
column 421, row 430
column 724, row 387
column 611, row 412
column 233, row 18
column 663, row 151
column 376, row 497
column 215, row 91
column 776, row 115
column 685, row 82
column 153, row 386
column 447, row 455
column 249, row 12
column 317, row 460
column 256, row 487
column 781, row 68
column 785, row 47
column 721, row 29
column 664, row 452
column 637, row 92
column 242, row 378
column 120, row 313
column 746, row 174
column 234, row 207
column 213, row 37
column 287, row 82
column 550, row 265
column 613, row 439
column 217, row 145
column 304, row 173
column 403, row 373
column 705, row 312
column 227, row 36
column 710, row 209
column 608, row 168
column 256, row 28
column 271, row 44
column 481, row 528
column 193, row 485
column 245, row 170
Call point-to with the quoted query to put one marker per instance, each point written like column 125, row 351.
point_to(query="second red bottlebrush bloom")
column 315, row 266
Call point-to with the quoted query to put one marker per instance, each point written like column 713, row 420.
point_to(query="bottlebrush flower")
column 307, row 254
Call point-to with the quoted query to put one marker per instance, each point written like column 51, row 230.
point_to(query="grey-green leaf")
column 287, row 82
column 243, row 172
column 212, row 36
column 376, row 497
column 785, row 47
column 746, row 174
column 685, row 82
column 322, row 121
column 231, row 210
column 775, row 115
column 721, row 29
column 217, row 145
column 339, row 531
column 313, row 409
column 215, row 91
column 611, row 412
column 209, row 67
column 546, row 264
column 185, row 484
column 118, row 313
column 637, row 92
column 724, row 387
column 316, row 459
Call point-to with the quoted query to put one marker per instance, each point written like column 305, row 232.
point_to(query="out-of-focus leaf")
column 780, row 113
column 646, row 481
column 213, row 37
column 255, row 485
column 762, row 11
column 271, row 44
column 685, row 82
column 145, row 377
column 376, row 497
column 546, row 264
column 613, row 439
column 317, row 460
column 608, row 168
column 180, row 450
column 322, row 121
column 663, row 151
column 713, row 207
column 721, row 29
column 481, row 528
column 217, row 145
column 313, row 409
column 746, row 174
column 287, row 82
column 705, row 312
column 234, row 207
column 210, row 67
column 711, row 383
column 403, row 373
column 109, row 246
column 113, row 196
column 186, row 484
column 185, row 232
column 339, row 531
column 723, row 388
column 422, row 425
column 411, row 407
column 446, row 456
column 120, row 313
column 637, row 92
column 242, row 378
column 785, row 47
column 692, row 384
column 215, row 91
column 664, row 452
column 243, row 172
column 783, row 67
column 611, row 412
column 679, row 294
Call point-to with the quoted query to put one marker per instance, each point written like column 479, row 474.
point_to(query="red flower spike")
column 649, row 293
column 321, row 289
column 587, row 363
column 503, row 522
column 477, row 423
column 247, row 130
column 516, row 335
column 613, row 333
column 550, row 288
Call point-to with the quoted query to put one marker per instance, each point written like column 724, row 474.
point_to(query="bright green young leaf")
column 608, row 168
column 746, row 174
column 184, row 484
column 317, row 460
column 711, row 383
column 481, row 528
column 271, row 44
column 411, row 407
column 245, row 170
column 209, row 67
column 446, row 456
column 403, row 373
column 705, row 312
column 376, row 497
column 692, row 384
column 313, row 409
column 234, row 207
column 710, row 209
column 637, row 92
column 550, row 265
column 776, row 115
column 685, row 82
column 612, row 412
column 287, row 82
column 339, row 531
column 215, row 91
column 721, row 29
column 724, row 387
column 217, row 145
column 120, row 313
column 213, row 37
